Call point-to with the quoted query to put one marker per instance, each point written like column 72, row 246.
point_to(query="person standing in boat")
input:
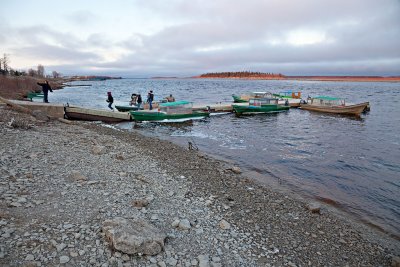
column 170, row 98
column 139, row 101
column 133, row 100
column 110, row 100
column 150, row 98
column 45, row 88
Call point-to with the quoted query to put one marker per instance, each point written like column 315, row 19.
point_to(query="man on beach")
column 45, row 88
column 110, row 100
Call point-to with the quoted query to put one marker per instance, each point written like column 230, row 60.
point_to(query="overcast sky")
column 144, row 38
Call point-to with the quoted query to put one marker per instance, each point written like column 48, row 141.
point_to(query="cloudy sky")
column 143, row 38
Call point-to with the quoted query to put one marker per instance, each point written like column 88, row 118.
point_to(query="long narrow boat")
column 173, row 111
column 77, row 113
column 260, row 105
column 334, row 105
column 126, row 108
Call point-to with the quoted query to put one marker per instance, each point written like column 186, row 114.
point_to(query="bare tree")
column 6, row 62
column 32, row 72
column 56, row 74
column 40, row 70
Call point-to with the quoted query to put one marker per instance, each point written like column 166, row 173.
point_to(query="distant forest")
column 242, row 74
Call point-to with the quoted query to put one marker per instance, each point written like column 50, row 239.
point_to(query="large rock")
column 133, row 236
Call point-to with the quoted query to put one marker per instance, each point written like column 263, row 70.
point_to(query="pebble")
column 235, row 222
column 64, row 259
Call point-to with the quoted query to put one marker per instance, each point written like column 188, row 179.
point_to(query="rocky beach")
column 86, row 194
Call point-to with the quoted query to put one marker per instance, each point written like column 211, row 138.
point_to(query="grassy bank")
column 12, row 87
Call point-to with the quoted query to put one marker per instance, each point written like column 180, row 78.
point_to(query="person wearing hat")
column 110, row 100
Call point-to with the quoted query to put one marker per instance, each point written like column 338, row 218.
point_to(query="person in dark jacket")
column 150, row 98
column 139, row 100
column 45, row 88
column 110, row 100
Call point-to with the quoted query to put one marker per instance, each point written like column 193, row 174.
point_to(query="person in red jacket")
column 45, row 88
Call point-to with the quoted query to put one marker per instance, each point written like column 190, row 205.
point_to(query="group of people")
column 136, row 99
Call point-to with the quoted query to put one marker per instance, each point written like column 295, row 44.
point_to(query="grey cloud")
column 49, row 52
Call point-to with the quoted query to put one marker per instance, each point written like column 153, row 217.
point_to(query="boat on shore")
column 172, row 111
column 78, row 113
column 260, row 105
column 334, row 105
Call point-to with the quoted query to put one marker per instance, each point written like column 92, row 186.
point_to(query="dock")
column 54, row 110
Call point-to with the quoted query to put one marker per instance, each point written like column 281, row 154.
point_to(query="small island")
column 250, row 75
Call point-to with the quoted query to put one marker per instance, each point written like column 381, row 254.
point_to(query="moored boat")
column 294, row 98
column 334, row 105
column 246, row 97
column 260, row 105
column 172, row 111
column 77, row 113
column 126, row 108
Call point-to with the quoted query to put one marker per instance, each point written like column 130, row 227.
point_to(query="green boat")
column 126, row 108
column 260, row 105
column 170, row 112
column 246, row 97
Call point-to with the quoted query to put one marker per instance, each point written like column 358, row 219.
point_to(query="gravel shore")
column 59, row 182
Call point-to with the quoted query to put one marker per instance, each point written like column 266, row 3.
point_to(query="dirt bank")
column 59, row 182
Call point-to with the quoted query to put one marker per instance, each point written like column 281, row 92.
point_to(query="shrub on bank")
column 12, row 87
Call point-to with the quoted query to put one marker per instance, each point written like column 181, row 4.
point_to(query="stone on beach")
column 133, row 236
column 314, row 207
column 76, row 176
column 99, row 150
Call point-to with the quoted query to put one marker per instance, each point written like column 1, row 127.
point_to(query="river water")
column 353, row 164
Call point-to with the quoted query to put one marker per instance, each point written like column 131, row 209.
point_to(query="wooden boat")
column 334, row 105
column 172, row 111
column 77, row 113
column 260, row 105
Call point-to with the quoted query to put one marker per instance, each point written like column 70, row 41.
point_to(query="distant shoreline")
column 316, row 78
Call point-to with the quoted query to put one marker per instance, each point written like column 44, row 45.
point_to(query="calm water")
column 353, row 162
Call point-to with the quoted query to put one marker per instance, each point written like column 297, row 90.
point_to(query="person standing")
column 150, row 98
column 45, row 88
column 133, row 100
column 170, row 98
column 110, row 100
column 139, row 101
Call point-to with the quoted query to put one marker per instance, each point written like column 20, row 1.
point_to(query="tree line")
column 39, row 72
column 241, row 74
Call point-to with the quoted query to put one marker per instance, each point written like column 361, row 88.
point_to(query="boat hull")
column 126, row 108
column 239, row 109
column 161, row 116
column 293, row 102
column 238, row 99
column 356, row 109
column 76, row 113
